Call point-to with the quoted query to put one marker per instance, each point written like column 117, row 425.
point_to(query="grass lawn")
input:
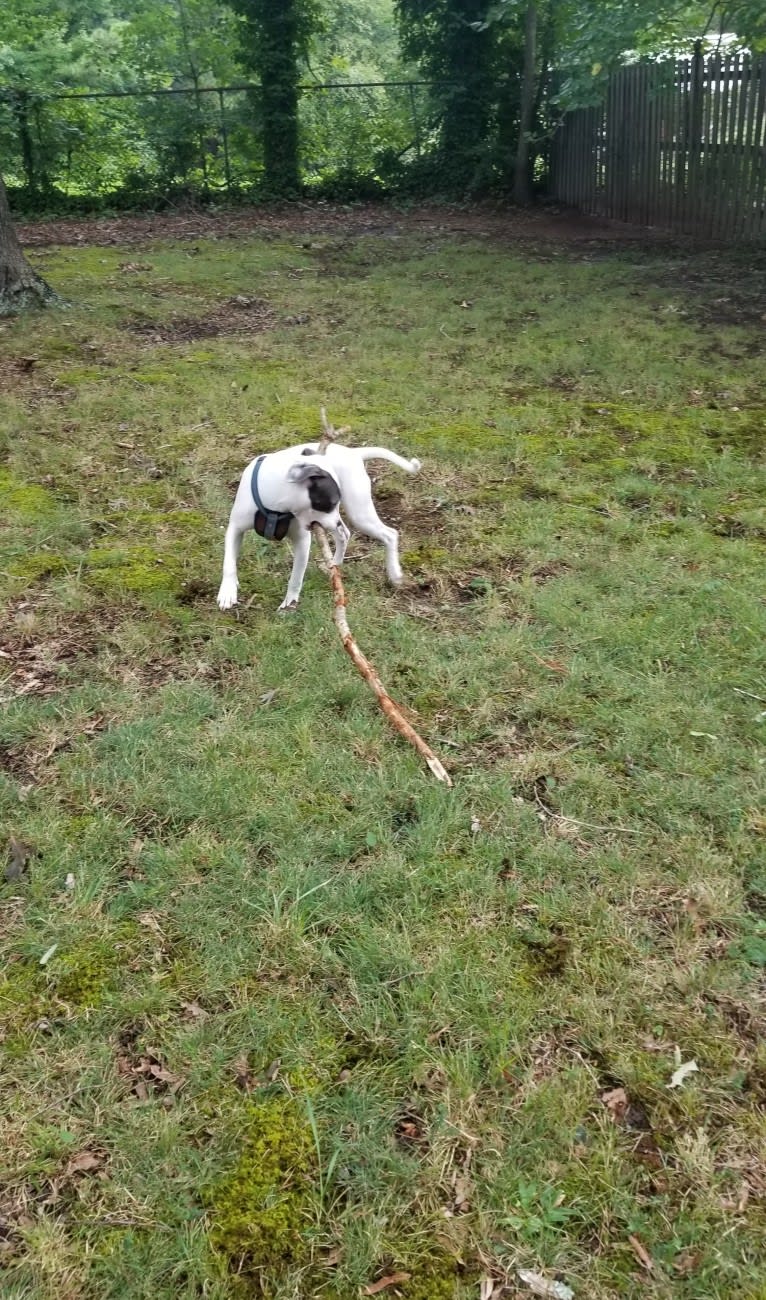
column 282, row 1016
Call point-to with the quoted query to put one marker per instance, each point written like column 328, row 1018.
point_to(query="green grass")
column 317, row 1019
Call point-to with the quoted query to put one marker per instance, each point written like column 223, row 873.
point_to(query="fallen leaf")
column 616, row 1102
column 641, row 1253
column 408, row 1131
column 149, row 1070
column 162, row 1074
column 19, row 857
column 688, row 1067
column 687, row 1261
column 85, row 1162
column 462, row 1194
column 543, row 1286
column 475, row 825
column 194, row 1011
column 553, row 665
column 47, row 955
column 149, row 921
column 267, row 697
column 243, row 1075
column 393, row 1278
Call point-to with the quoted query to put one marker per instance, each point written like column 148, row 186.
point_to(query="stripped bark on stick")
column 361, row 662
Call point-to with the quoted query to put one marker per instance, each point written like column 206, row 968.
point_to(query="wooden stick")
column 362, row 663
column 329, row 434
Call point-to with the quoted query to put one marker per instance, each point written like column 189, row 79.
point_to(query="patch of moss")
column 258, row 1211
column 53, row 348
column 302, row 419
column 131, row 568
column 35, row 565
column 743, row 431
column 465, row 437
column 81, row 976
column 23, row 998
column 75, row 375
column 425, row 557
column 27, row 501
column 154, row 375
column 433, row 1277
column 179, row 523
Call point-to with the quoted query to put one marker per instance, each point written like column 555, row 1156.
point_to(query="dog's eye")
column 307, row 451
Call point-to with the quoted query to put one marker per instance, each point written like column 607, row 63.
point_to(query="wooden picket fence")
column 677, row 145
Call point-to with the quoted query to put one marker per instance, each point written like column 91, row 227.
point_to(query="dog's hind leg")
column 301, row 540
column 358, row 504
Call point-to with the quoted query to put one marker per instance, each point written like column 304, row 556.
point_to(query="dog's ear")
column 302, row 473
column 324, row 493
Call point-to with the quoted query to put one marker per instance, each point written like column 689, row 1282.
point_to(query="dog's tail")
column 382, row 453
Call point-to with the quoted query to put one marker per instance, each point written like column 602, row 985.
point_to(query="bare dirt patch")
column 21, row 375
column 238, row 315
column 33, row 665
column 487, row 220
column 714, row 289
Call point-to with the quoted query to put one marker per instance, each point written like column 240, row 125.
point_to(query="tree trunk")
column 279, row 89
column 20, row 286
column 467, row 47
column 521, row 182
column 21, row 111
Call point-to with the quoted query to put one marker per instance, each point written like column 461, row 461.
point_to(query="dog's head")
column 321, row 484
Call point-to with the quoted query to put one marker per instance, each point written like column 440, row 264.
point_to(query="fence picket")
column 681, row 145
column 758, row 190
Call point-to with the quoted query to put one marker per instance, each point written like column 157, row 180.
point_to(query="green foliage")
column 275, row 34
column 458, row 135
column 456, row 47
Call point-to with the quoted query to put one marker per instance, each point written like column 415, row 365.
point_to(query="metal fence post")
column 225, row 138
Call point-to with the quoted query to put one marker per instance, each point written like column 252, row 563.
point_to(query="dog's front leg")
column 301, row 540
column 227, row 592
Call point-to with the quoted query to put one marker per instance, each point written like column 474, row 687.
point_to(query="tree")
column 522, row 190
column 277, row 32
column 20, row 286
column 454, row 43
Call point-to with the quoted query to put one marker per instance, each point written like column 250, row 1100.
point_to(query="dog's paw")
column 415, row 463
column 288, row 606
column 227, row 594
column 396, row 578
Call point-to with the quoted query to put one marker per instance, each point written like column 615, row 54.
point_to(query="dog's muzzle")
column 267, row 523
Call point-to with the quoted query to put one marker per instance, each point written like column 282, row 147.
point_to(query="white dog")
column 284, row 493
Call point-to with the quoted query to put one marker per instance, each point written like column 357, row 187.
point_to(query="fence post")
column 225, row 138
column 415, row 121
column 694, row 133
column 21, row 113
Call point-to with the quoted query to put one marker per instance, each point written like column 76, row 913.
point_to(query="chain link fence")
column 101, row 148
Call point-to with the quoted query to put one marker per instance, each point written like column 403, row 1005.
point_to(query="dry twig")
column 361, row 662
